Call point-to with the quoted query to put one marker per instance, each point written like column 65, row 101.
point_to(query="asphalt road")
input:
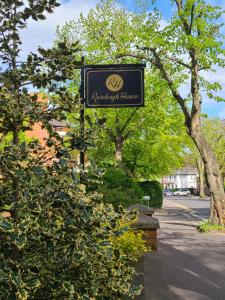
column 188, row 265
column 197, row 206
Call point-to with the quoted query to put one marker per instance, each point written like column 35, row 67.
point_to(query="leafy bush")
column 155, row 191
column 132, row 244
column 61, row 246
column 119, row 189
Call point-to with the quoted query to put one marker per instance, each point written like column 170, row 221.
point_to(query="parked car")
column 168, row 192
column 182, row 192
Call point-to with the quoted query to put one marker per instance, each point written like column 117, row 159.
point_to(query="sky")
column 43, row 33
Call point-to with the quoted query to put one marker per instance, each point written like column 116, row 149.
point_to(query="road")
column 188, row 265
column 198, row 207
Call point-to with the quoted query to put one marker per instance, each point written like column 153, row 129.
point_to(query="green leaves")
column 61, row 243
column 38, row 171
column 18, row 239
column 135, row 132
column 6, row 225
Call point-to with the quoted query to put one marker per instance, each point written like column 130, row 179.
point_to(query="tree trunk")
column 119, row 142
column 200, row 167
column 118, row 153
column 217, row 214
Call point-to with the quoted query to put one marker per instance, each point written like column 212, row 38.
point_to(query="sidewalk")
column 188, row 265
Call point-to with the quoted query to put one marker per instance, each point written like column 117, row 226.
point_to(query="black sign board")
column 114, row 86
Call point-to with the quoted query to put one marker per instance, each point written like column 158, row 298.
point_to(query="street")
column 199, row 208
column 188, row 265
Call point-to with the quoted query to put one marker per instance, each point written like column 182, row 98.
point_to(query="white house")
column 186, row 177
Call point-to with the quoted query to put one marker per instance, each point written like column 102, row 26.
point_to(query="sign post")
column 82, row 129
column 110, row 86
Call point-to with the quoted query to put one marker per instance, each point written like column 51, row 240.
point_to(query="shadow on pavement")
column 187, row 266
column 171, row 275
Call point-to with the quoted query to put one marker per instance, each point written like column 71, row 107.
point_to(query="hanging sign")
column 114, row 86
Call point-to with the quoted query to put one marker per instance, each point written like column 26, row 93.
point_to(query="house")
column 61, row 127
column 40, row 133
column 186, row 177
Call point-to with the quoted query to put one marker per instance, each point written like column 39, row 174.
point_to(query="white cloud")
column 43, row 33
column 218, row 75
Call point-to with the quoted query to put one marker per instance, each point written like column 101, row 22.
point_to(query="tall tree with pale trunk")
column 189, row 46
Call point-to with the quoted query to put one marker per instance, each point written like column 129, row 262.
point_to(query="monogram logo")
column 114, row 83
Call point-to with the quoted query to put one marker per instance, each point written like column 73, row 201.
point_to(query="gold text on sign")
column 114, row 83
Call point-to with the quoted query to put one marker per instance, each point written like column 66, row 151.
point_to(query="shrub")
column 155, row 191
column 61, row 246
column 119, row 189
column 131, row 244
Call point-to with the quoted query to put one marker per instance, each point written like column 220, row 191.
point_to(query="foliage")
column 149, row 140
column 155, row 191
column 132, row 244
column 207, row 227
column 48, row 69
column 63, row 242
column 119, row 189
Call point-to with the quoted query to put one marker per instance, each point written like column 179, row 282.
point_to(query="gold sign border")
column 119, row 71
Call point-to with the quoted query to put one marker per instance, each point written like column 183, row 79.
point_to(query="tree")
column 159, row 147
column 97, row 49
column 128, row 131
column 189, row 44
column 19, row 108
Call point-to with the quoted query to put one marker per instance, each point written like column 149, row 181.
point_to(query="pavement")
column 188, row 265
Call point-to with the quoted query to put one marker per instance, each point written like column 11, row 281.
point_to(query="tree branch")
column 157, row 62
column 192, row 18
column 170, row 83
column 128, row 120
column 110, row 134
column 180, row 62
column 138, row 56
column 183, row 20
column 172, row 58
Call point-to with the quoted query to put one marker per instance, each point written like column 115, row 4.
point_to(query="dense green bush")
column 155, row 191
column 119, row 189
column 60, row 246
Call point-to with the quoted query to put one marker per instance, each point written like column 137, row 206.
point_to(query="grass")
column 206, row 227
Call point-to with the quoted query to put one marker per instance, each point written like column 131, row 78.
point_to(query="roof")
column 187, row 171
column 56, row 123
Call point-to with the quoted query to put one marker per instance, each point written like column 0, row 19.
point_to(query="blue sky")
column 43, row 33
